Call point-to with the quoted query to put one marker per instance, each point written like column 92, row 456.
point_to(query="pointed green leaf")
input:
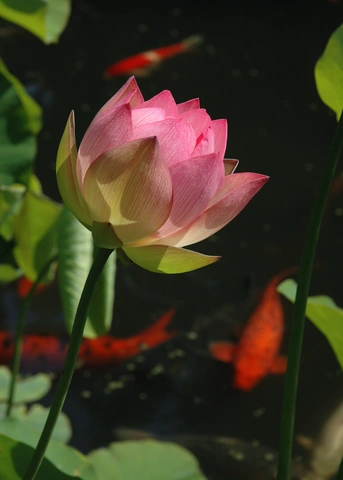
column 20, row 121
column 75, row 255
column 15, row 457
column 44, row 18
column 35, row 234
column 328, row 73
column 152, row 461
column 325, row 315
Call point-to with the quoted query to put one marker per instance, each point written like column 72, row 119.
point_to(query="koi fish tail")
column 281, row 276
column 157, row 333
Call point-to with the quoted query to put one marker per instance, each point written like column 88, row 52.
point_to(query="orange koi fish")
column 257, row 351
column 142, row 63
column 47, row 352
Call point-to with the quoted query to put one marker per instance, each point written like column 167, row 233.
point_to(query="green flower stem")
column 19, row 332
column 70, row 361
column 298, row 320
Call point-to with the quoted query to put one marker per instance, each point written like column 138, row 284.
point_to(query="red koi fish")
column 257, row 351
column 142, row 63
column 47, row 352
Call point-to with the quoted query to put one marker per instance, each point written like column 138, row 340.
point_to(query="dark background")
column 255, row 68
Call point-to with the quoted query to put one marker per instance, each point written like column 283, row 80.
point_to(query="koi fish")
column 142, row 63
column 47, row 352
column 257, row 351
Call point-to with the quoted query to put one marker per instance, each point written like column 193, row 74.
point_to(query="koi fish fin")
column 222, row 351
column 157, row 333
column 279, row 366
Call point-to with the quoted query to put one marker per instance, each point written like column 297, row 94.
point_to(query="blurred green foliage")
column 44, row 18
column 325, row 315
column 328, row 73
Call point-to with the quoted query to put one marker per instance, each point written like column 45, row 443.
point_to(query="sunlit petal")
column 176, row 138
column 162, row 100
column 130, row 188
column 141, row 116
column 199, row 119
column 107, row 132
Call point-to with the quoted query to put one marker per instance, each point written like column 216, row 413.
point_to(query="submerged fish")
column 142, row 63
column 47, row 352
column 257, row 351
column 223, row 457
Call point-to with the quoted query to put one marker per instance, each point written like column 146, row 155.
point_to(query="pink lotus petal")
column 176, row 138
column 220, row 136
column 162, row 100
column 130, row 88
column 199, row 120
column 205, row 144
column 141, row 116
column 189, row 105
column 107, row 132
column 234, row 194
column 230, row 165
column 163, row 259
column 195, row 181
column 130, row 188
column 238, row 182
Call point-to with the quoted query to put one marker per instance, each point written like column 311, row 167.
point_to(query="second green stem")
column 298, row 320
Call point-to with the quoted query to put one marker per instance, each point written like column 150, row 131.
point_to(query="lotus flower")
column 150, row 177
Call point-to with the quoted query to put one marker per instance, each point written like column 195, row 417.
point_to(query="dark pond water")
column 255, row 69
